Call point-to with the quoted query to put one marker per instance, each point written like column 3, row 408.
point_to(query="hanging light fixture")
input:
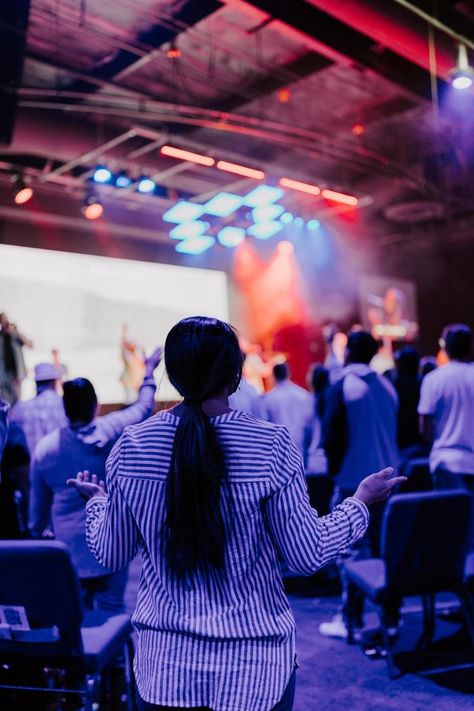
column 22, row 192
column 92, row 208
column 462, row 76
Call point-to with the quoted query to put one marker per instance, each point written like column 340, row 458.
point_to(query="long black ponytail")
column 202, row 358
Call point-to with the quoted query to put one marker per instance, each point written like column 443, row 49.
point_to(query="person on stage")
column 212, row 497
column 12, row 362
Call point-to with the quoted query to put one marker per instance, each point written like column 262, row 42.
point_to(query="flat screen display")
column 98, row 312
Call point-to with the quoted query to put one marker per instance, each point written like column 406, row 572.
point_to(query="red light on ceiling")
column 284, row 96
column 339, row 197
column 186, row 155
column 173, row 52
column 240, row 170
column 298, row 185
column 93, row 211
column 23, row 195
column 358, row 129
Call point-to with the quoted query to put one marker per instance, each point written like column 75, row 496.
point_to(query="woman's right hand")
column 378, row 487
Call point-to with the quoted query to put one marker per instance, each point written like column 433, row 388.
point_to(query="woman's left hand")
column 87, row 486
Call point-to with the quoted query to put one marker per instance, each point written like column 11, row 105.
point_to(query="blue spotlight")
column 313, row 225
column 183, row 211
column 101, row 174
column 187, row 230
column 298, row 222
column 146, row 185
column 265, row 230
column 223, row 204
column 267, row 213
column 195, row 245
column 263, row 195
column 231, row 236
column 286, row 218
column 123, row 180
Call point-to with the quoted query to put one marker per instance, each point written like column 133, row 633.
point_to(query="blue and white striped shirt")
column 227, row 643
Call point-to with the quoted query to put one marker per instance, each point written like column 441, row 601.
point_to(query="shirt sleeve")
column 114, row 423
column 41, row 498
column 427, row 404
column 111, row 531
column 305, row 540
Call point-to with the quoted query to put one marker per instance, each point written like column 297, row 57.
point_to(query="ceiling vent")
column 412, row 211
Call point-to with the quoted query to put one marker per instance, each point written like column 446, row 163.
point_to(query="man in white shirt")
column 290, row 405
column 446, row 410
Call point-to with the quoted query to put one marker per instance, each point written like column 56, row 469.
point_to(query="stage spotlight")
column 123, row 180
column 285, row 247
column 92, row 208
column 298, row 222
column 286, row 218
column 146, row 185
column 462, row 76
column 173, row 52
column 231, row 236
column 312, row 225
column 22, row 193
column 101, row 174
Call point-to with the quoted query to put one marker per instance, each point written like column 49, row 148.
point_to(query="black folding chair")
column 64, row 652
column 424, row 541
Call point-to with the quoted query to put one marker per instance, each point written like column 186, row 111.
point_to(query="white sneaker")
column 335, row 628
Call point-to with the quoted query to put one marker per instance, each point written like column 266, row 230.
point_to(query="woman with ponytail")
column 212, row 497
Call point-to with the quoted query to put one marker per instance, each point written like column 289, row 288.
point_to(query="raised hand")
column 153, row 360
column 378, row 487
column 87, row 486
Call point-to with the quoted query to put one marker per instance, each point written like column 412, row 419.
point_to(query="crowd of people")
column 221, row 477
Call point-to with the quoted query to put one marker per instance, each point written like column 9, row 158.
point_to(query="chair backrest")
column 424, row 541
column 40, row 577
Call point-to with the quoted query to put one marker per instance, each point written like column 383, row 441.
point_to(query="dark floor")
column 335, row 677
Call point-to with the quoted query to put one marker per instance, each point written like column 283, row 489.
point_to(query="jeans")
column 105, row 592
column 285, row 703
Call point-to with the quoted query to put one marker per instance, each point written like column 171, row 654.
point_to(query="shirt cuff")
column 148, row 380
column 100, row 500
column 361, row 506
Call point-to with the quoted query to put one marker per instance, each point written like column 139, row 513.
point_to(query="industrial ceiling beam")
column 358, row 46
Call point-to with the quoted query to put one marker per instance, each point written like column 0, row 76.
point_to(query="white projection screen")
column 77, row 303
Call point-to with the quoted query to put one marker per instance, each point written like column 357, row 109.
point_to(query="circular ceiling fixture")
column 417, row 210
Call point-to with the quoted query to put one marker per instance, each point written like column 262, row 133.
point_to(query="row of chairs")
column 67, row 652
column 424, row 551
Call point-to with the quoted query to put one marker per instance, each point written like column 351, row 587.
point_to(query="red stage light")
column 285, row 247
column 340, row 197
column 298, row 185
column 240, row 170
column 284, row 95
column 186, row 155
column 93, row 211
column 358, row 129
column 23, row 195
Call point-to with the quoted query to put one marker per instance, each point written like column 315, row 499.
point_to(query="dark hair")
column 281, row 371
column 319, row 384
column 427, row 364
column 202, row 357
column 80, row 400
column 407, row 360
column 458, row 338
column 361, row 347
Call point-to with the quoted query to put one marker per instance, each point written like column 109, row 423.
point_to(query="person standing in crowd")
column 359, row 434
column 44, row 412
column 3, row 424
column 290, row 405
column 246, row 398
column 427, row 365
column 84, row 443
column 407, row 383
column 12, row 362
column 211, row 496
column 446, row 411
column 320, row 485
